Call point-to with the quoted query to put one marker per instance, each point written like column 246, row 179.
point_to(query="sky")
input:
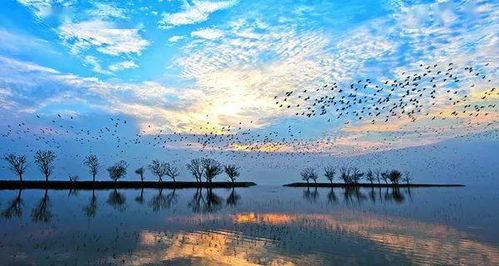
column 201, row 78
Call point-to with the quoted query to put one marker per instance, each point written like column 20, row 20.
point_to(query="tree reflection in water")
column 91, row 209
column 15, row 207
column 140, row 198
column 41, row 213
column 233, row 198
column 117, row 200
column 160, row 201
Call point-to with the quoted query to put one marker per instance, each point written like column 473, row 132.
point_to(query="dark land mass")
column 7, row 184
column 301, row 184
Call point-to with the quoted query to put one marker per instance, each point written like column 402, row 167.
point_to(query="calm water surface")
column 251, row 226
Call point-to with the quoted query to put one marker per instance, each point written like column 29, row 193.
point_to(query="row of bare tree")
column 353, row 175
column 200, row 168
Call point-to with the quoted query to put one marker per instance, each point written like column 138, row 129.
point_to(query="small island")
column 351, row 176
column 302, row 184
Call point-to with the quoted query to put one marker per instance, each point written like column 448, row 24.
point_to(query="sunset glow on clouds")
column 198, row 67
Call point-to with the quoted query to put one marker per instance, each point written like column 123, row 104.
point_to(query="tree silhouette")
column 18, row 164
column 232, row 172
column 45, row 160
column 407, row 177
column 92, row 162
column 370, row 176
column 309, row 173
column 356, row 175
column 345, row 175
column 394, row 176
column 158, row 169
column 196, row 168
column 140, row 171
column 329, row 172
column 41, row 213
column 212, row 168
column 172, row 171
column 118, row 170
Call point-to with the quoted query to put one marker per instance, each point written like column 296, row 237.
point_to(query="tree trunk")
column 46, row 178
column 21, row 177
column 93, row 178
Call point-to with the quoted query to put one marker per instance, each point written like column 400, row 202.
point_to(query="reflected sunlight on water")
column 255, row 226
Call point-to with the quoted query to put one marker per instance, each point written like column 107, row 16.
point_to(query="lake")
column 261, row 225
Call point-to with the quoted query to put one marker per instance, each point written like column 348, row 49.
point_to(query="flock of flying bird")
column 412, row 97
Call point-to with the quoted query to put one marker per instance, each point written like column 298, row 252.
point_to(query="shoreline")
column 301, row 184
column 89, row 185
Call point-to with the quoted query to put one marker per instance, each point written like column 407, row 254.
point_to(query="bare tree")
column 158, row 169
column 18, row 164
column 45, row 161
column 118, row 170
column 384, row 176
column 309, row 173
column 212, row 168
column 92, row 162
column 394, row 176
column 356, row 175
column 329, row 173
column 407, row 177
column 345, row 175
column 140, row 172
column 196, row 168
column 232, row 172
column 172, row 171
column 370, row 176
column 377, row 173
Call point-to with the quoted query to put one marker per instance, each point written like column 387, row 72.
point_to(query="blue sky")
column 198, row 67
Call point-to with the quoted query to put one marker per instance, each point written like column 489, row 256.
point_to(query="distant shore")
column 11, row 184
column 301, row 184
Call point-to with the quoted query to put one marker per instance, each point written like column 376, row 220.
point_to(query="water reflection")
column 42, row 213
column 117, row 200
column 236, row 227
column 91, row 209
column 14, row 208
column 160, row 201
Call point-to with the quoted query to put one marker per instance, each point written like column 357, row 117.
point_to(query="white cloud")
column 107, row 11
column 176, row 38
column 103, row 35
column 123, row 65
column 95, row 64
column 44, row 8
column 210, row 34
column 196, row 12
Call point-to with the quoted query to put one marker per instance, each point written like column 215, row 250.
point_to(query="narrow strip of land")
column 301, row 184
column 7, row 184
